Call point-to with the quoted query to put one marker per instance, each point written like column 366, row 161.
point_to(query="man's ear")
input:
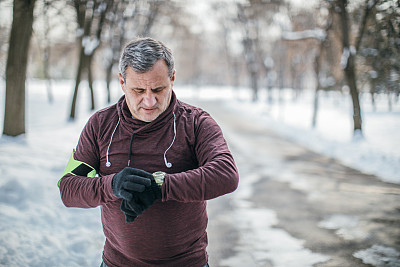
column 173, row 77
column 121, row 81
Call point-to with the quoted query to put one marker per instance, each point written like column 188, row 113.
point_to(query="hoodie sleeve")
column 81, row 191
column 217, row 174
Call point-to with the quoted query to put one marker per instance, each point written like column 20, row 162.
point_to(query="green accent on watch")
column 159, row 177
column 77, row 167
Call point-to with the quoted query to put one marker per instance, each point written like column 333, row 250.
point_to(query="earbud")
column 169, row 164
column 108, row 164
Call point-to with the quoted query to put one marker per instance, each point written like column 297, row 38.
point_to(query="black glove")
column 138, row 191
column 129, row 181
column 149, row 195
column 140, row 202
column 131, row 210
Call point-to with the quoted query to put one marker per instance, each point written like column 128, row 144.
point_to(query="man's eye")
column 157, row 90
column 139, row 91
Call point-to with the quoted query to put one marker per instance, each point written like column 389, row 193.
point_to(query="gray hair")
column 142, row 53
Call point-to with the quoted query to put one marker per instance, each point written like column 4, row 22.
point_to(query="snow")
column 379, row 256
column 375, row 153
column 37, row 230
column 318, row 34
column 345, row 57
column 90, row 44
column 347, row 226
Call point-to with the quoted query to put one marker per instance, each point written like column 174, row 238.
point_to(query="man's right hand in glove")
column 131, row 209
column 138, row 191
column 140, row 201
column 130, row 180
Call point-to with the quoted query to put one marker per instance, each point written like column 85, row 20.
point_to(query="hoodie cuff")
column 164, row 188
column 107, row 187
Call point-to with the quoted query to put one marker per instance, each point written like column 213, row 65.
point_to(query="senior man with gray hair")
column 150, row 162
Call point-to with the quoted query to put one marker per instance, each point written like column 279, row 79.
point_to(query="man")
column 157, row 161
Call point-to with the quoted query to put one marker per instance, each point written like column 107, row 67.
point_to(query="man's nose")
column 149, row 99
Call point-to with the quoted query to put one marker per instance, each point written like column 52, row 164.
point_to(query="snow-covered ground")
column 377, row 152
column 35, row 227
column 37, row 230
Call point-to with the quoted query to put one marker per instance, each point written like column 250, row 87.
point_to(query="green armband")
column 77, row 167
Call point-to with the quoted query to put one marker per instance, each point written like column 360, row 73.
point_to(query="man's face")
column 148, row 94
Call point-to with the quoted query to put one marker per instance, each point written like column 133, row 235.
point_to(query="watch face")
column 159, row 177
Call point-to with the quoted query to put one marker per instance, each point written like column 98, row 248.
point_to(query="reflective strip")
column 76, row 167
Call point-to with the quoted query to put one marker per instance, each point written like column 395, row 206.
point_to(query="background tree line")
column 347, row 46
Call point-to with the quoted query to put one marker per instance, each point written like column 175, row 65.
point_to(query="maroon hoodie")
column 187, row 144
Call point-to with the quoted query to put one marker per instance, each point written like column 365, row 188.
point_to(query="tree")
column 117, row 29
column 91, row 19
column 317, row 65
column 379, row 51
column 46, row 49
column 116, row 36
column 348, row 64
column 349, row 53
column 320, row 37
column 349, row 45
column 252, row 17
column 21, row 31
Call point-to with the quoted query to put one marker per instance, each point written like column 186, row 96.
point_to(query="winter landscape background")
column 229, row 54
column 37, row 230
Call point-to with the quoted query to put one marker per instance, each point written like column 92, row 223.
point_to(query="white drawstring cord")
column 169, row 164
column 108, row 163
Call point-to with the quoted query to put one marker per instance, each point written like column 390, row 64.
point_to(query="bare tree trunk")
column 85, row 18
column 21, row 31
column 117, row 38
column 372, row 91
column 108, row 80
column 367, row 11
column 316, row 108
column 46, row 53
column 90, row 56
column 46, row 59
column 151, row 16
column 269, row 93
column 281, row 74
column 77, row 82
column 254, row 85
column 317, row 67
column 390, row 104
column 80, row 9
column 349, row 66
column 90, row 80
column 249, row 50
column 317, row 88
column 251, row 66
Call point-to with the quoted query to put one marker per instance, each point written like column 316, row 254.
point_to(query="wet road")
column 294, row 207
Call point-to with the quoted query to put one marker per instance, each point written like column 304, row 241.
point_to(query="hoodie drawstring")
column 108, row 163
column 130, row 150
column 167, row 164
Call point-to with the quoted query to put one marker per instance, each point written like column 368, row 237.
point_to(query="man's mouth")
column 149, row 110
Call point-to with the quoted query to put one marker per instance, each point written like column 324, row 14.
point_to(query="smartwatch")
column 159, row 177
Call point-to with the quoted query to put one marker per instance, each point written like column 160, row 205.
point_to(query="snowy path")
column 297, row 208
